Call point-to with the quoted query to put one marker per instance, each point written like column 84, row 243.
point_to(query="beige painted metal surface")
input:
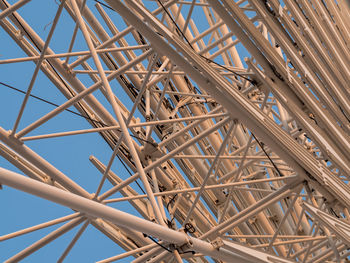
column 231, row 116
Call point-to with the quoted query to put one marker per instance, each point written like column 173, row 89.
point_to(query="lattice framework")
column 231, row 118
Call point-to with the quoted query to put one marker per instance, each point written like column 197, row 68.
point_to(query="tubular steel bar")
column 95, row 209
column 233, row 114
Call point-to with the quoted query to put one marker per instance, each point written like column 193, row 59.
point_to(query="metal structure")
column 232, row 117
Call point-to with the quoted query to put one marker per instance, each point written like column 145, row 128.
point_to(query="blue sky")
column 69, row 154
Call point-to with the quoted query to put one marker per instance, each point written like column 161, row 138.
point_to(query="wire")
column 58, row 76
column 189, row 43
column 175, row 24
column 41, row 99
column 168, row 133
column 167, row 249
column 197, row 90
column 74, row 112
column 189, row 228
column 86, row 117
column 53, row 104
column 253, row 82
column 128, row 170
column 170, row 201
column 262, row 147
column 155, row 241
column 186, row 39
column 105, row 5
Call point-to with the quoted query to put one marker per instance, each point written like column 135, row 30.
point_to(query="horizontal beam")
column 118, row 217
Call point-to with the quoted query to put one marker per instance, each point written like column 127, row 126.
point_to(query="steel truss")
column 231, row 116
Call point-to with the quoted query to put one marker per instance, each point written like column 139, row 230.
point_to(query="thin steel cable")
column 188, row 42
column 73, row 112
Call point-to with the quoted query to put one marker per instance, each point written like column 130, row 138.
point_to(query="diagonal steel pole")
column 205, row 180
column 45, row 240
column 38, row 66
column 82, row 95
column 164, row 158
column 127, row 254
column 211, row 81
column 118, row 114
column 260, row 205
column 41, row 163
column 12, row 8
column 74, row 240
column 95, row 209
column 39, row 226
column 131, row 114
